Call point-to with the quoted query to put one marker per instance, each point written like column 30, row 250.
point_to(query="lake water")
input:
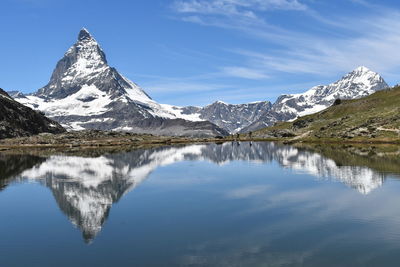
column 259, row 204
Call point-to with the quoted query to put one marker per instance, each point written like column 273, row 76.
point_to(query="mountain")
column 84, row 92
column 18, row 120
column 228, row 116
column 371, row 118
column 15, row 94
column 253, row 116
column 356, row 84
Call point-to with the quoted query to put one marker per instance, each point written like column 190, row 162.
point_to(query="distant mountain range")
column 253, row 116
column 84, row 92
column 230, row 117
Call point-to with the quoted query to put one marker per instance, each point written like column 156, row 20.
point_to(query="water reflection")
column 85, row 188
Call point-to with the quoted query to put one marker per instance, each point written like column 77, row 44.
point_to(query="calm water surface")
column 259, row 204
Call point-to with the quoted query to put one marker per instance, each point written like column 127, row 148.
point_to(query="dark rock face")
column 18, row 120
column 266, row 119
column 234, row 117
column 231, row 117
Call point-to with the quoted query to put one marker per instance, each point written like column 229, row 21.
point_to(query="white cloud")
column 246, row 73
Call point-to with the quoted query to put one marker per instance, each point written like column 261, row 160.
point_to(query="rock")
column 17, row 120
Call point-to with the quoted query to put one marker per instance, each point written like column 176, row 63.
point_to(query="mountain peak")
column 84, row 35
column 83, row 63
column 362, row 69
column 364, row 75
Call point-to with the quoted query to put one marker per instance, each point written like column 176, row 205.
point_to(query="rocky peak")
column 87, row 48
column 82, row 64
column 84, row 35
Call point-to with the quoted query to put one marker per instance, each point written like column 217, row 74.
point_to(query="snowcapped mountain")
column 356, row 84
column 84, row 92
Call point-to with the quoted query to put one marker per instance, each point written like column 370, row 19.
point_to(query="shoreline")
column 154, row 141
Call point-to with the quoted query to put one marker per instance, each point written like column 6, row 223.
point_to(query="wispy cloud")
column 246, row 73
column 370, row 37
column 183, row 87
column 235, row 14
column 244, row 8
column 362, row 2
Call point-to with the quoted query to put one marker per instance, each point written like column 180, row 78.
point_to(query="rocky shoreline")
column 111, row 140
column 95, row 139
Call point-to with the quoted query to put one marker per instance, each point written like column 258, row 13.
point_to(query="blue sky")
column 193, row 52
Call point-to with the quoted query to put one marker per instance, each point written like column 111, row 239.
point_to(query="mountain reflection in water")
column 85, row 188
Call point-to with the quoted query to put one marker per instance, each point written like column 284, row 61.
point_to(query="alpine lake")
column 228, row 204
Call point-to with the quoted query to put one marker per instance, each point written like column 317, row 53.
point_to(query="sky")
column 194, row 52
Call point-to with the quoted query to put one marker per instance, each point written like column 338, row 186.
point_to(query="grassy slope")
column 372, row 118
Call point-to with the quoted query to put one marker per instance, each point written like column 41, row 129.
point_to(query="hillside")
column 18, row 120
column 375, row 118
